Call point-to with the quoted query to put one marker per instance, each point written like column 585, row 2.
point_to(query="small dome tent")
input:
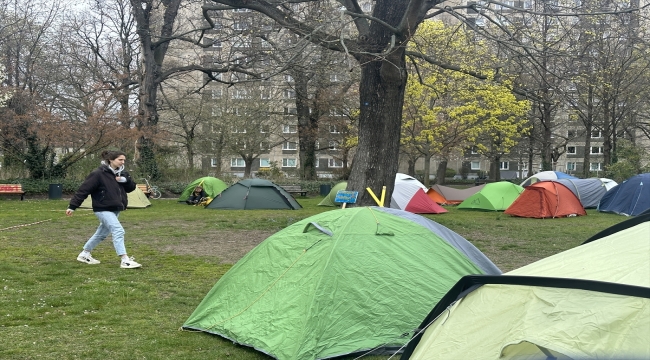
column 328, row 200
column 136, row 200
column 546, row 175
column 589, row 302
column 588, row 191
column 630, row 198
column 249, row 194
column 546, row 199
column 410, row 195
column 445, row 195
column 337, row 283
column 494, row 196
column 211, row 185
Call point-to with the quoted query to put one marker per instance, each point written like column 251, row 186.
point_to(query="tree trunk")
column 495, row 168
column 441, row 172
column 411, row 166
column 307, row 128
column 427, row 170
column 381, row 100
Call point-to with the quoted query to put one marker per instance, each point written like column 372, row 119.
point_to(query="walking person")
column 107, row 186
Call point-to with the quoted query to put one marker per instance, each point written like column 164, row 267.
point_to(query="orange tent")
column 546, row 199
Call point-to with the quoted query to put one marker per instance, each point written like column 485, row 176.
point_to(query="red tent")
column 546, row 199
column 420, row 203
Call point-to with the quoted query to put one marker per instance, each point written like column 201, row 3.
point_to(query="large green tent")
column 211, row 185
column 493, row 196
column 249, row 194
column 329, row 199
column 589, row 302
column 137, row 200
column 336, row 283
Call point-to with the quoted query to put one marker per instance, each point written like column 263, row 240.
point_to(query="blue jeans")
column 108, row 224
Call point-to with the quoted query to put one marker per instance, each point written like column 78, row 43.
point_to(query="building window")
column 216, row 44
column 288, row 162
column 217, row 93
column 571, row 166
column 595, row 166
column 289, row 145
column 265, row 129
column 334, row 145
column 237, row 162
column 335, row 163
column 473, row 150
column 214, row 162
column 334, row 78
column 289, row 129
column 240, row 25
column 475, row 165
column 289, row 94
column 241, row 10
column 288, row 78
column 571, row 150
column 265, row 162
column 596, row 150
column 265, row 93
column 216, row 111
column 235, row 130
column 366, row 7
column 596, row 134
column 217, row 75
column 504, row 165
column 265, row 146
column 290, row 111
column 333, row 129
column 571, row 134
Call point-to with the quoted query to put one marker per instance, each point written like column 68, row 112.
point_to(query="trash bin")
column 55, row 191
column 325, row 189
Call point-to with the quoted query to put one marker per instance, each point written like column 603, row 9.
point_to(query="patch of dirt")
column 227, row 245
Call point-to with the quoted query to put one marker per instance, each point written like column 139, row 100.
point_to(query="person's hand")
column 69, row 212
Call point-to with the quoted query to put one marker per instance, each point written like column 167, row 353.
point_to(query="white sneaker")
column 86, row 258
column 129, row 264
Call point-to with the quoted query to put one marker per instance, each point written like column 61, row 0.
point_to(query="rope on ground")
column 17, row 226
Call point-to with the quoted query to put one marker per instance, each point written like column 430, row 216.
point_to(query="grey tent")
column 588, row 191
column 251, row 194
column 445, row 195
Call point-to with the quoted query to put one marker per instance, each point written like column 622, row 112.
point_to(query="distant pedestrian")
column 107, row 186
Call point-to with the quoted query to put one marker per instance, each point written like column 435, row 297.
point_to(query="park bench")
column 145, row 189
column 294, row 189
column 12, row 189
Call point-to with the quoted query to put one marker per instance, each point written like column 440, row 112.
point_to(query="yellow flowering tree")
column 446, row 111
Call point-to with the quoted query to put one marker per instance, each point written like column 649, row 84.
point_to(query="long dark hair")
column 111, row 154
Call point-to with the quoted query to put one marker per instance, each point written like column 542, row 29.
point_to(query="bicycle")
column 152, row 190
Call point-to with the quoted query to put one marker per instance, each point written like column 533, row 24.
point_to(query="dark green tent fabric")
column 249, row 194
column 336, row 283
column 329, row 199
column 211, row 185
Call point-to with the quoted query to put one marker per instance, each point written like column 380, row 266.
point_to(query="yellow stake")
column 380, row 203
column 383, row 195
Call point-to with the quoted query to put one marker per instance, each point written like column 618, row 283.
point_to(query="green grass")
column 53, row 307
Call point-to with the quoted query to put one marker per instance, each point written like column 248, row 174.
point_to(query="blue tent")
column 631, row 197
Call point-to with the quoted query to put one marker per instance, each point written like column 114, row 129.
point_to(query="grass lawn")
column 54, row 307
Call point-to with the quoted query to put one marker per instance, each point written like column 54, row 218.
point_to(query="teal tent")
column 211, row 185
column 329, row 199
column 340, row 282
column 493, row 196
column 249, row 194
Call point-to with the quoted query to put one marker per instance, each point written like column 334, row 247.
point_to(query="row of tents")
column 540, row 197
column 365, row 280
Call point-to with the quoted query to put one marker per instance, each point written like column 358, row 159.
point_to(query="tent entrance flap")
column 322, row 229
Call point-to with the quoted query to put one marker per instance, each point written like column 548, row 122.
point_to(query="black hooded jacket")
column 107, row 194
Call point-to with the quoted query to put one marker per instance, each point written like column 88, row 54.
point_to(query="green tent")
column 329, row 199
column 251, row 194
column 137, row 200
column 493, row 196
column 589, row 302
column 211, row 185
column 336, row 283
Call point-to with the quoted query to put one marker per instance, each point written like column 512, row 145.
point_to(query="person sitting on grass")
column 196, row 196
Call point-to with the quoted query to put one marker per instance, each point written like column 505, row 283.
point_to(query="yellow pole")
column 383, row 195
column 374, row 196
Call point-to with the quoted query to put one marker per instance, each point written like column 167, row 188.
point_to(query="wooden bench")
column 294, row 189
column 12, row 189
column 144, row 189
